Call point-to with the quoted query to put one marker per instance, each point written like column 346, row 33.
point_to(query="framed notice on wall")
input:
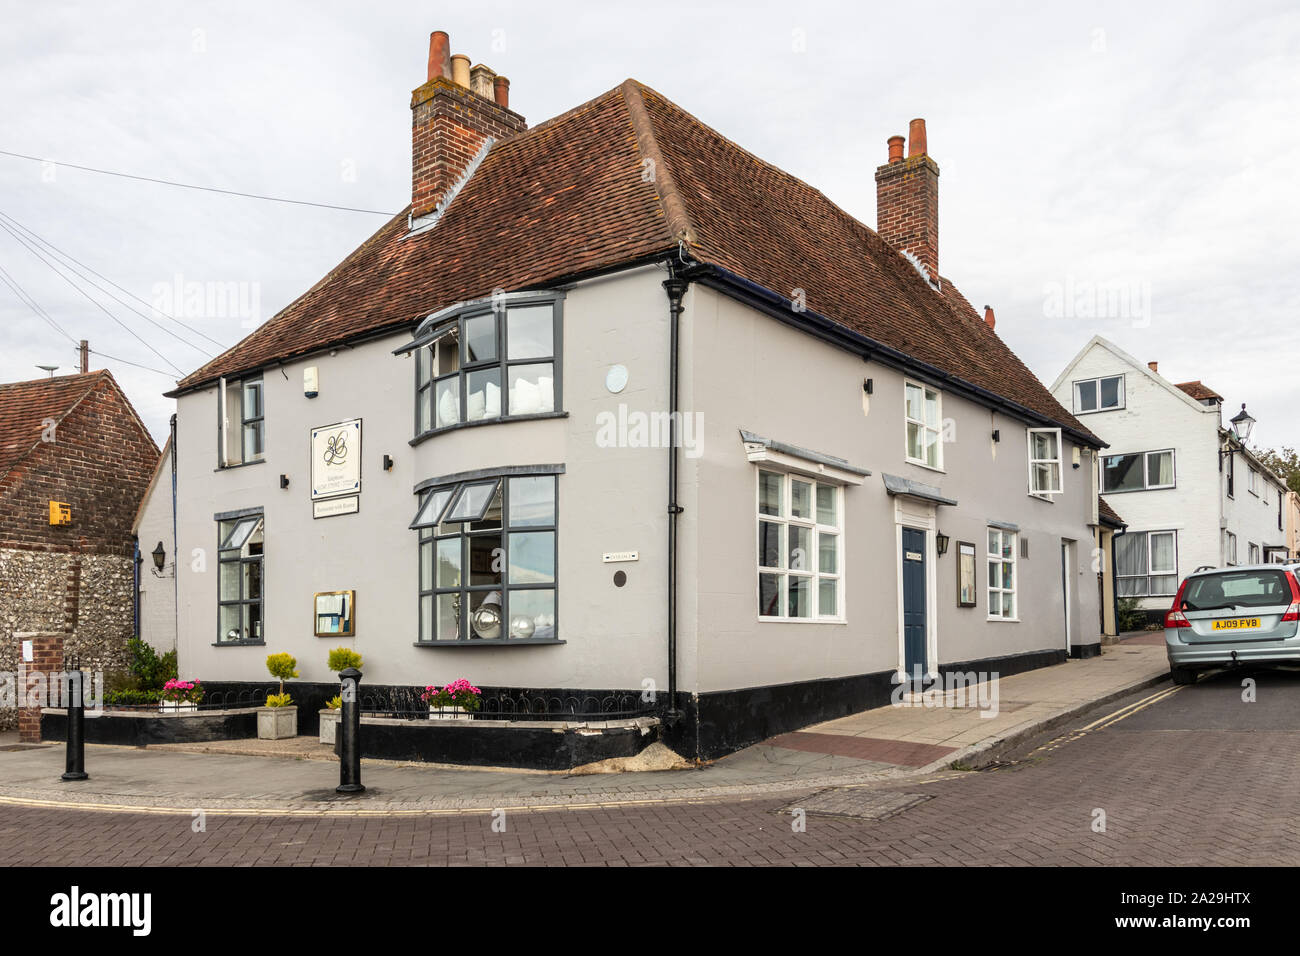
column 965, row 574
column 336, row 460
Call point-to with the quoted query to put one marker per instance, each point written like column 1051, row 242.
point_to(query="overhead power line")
column 91, row 299
column 207, row 189
column 32, row 304
column 146, row 368
column 68, row 256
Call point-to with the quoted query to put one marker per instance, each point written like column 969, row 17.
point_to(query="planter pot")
column 277, row 723
column 177, row 707
column 454, row 712
column 329, row 725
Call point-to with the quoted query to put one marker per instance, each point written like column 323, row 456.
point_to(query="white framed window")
column 923, row 412
column 1229, row 548
column 1099, row 394
column 1044, row 461
column 1252, row 549
column 1254, row 481
column 241, row 422
column 1139, row 471
column 1001, row 554
column 800, row 548
column 1146, row 563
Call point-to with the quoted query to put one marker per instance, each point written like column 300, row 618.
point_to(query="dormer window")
column 488, row 361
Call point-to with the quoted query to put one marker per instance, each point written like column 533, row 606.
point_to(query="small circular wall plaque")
column 620, row 578
column 616, row 378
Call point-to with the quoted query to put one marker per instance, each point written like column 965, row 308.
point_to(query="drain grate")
column 862, row 804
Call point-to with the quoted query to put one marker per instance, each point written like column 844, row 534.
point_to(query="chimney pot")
column 989, row 318
column 916, row 138
column 439, row 55
column 480, row 81
column 501, row 92
column 1154, row 366
column 895, row 149
column 460, row 70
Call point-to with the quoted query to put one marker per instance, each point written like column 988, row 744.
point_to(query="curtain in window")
column 1162, row 560
column 1131, row 564
column 1160, row 469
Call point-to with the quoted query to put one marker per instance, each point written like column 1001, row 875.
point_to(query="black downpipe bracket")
column 675, row 285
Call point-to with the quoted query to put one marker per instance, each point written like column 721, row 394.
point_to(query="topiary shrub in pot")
column 279, row 718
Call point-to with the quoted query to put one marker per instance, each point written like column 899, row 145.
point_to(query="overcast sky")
column 1143, row 154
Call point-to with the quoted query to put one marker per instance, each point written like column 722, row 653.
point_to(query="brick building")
column 74, row 462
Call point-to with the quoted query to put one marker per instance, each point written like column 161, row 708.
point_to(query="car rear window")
column 1237, row 589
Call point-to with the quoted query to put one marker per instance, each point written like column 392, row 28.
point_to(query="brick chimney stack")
column 907, row 199
column 453, row 114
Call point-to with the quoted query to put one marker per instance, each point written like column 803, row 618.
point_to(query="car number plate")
column 1236, row 624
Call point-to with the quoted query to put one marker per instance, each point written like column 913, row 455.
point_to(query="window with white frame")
column 800, row 548
column 1139, row 471
column 1146, row 563
column 241, row 422
column 1252, row 549
column 1044, row 461
column 1001, row 553
column 487, row 363
column 1254, row 481
column 923, row 411
column 1099, row 394
column 1229, row 548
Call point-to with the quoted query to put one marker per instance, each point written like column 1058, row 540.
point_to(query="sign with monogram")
column 336, row 460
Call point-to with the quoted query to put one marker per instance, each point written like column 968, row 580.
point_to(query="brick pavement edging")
column 628, row 793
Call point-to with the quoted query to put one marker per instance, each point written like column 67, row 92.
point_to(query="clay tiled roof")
column 27, row 407
column 1199, row 391
column 1108, row 514
column 572, row 196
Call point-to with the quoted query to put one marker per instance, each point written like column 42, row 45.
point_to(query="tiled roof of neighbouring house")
column 572, row 196
column 1199, row 391
column 27, row 408
column 1108, row 514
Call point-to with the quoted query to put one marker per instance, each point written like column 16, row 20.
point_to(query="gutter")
column 778, row 307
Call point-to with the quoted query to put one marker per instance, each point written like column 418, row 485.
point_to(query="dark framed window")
column 488, row 560
column 240, row 543
column 241, row 422
column 488, row 362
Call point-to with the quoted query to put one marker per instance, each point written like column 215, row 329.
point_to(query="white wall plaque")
column 335, row 506
column 336, row 460
column 28, row 652
column 609, row 557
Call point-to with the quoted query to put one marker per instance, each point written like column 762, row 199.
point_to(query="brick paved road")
column 1174, row 791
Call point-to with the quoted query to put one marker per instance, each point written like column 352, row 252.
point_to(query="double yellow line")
column 1114, row 717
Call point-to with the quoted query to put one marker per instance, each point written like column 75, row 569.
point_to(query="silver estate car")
column 1238, row 615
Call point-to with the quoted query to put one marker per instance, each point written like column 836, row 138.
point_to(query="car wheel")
column 1182, row 675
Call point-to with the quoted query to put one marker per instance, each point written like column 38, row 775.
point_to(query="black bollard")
column 349, row 749
column 76, row 758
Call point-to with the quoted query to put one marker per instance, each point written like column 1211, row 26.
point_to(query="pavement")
column 917, row 740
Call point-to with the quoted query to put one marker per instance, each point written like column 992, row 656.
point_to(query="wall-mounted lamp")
column 388, row 463
column 868, row 386
column 940, row 543
column 997, row 434
column 284, row 481
column 159, row 555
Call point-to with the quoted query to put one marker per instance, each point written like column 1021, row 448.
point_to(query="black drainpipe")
column 1114, row 581
column 676, row 287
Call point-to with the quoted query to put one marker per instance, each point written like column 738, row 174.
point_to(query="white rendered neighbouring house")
column 1191, row 493
column 616, row 411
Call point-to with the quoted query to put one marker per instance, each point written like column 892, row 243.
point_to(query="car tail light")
column 1293, row 612
column 1175, row 617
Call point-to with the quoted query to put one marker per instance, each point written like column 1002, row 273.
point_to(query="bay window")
column 1139, row 471
column 489, row 361
column 488, row 560
column 1146, row 563
column 800, row 548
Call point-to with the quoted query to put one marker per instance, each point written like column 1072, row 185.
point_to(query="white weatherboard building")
column 1190, row 491
column 567, row 430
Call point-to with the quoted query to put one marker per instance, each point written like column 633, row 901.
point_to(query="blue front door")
column 914, row 601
